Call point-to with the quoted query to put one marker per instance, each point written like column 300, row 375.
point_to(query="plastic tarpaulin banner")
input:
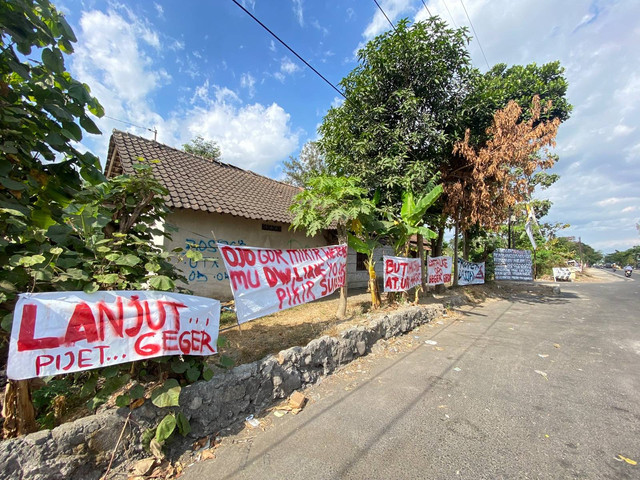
column 64, row 332
column 438, row 270
column 265, row 281
column 401, row 273
column 470, row 273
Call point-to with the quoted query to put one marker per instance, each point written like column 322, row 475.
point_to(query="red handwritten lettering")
column 26, row 335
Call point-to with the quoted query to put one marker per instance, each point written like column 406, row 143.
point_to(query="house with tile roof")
column 212, row 200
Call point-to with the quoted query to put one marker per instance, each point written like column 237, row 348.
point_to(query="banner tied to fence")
column 438, row 270
column 470, row 273
column 401, row 273
column 265, row 281
column 64, row 332
column 513, row 264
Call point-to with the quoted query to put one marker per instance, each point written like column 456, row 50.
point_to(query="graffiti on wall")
column 210, row 268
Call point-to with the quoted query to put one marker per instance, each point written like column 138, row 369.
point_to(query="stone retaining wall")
column 82, row 449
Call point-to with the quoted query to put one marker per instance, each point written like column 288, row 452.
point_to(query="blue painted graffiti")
column 208, row 269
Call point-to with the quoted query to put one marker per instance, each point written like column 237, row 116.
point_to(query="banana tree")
column 365, row 236
column 411, row 222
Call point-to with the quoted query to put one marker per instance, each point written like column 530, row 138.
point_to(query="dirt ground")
column 299, row 325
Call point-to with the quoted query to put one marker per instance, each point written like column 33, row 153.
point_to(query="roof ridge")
column 204, row 159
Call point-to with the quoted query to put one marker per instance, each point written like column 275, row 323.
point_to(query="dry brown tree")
column 486, row 180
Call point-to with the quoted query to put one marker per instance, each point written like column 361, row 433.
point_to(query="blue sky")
column 206, row 68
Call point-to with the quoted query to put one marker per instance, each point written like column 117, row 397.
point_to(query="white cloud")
column 247, row 81
column 272, row 46
column 379, row 23
column 254, row 137
column 621, row 130
column 288, row 67
column 297, row 10
column 159, row 9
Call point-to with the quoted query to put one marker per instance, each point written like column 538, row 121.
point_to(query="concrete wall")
column 208, row 278
column 360, row 278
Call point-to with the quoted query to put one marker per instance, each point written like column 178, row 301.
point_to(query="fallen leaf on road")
column 628, row 460
column 279, row 413
column 457, row 369
column 430, row 342
column 544, row 374
column 143, row 467
column 557, row 345
column 439, row 348
column 543, row 355
column 208, row 454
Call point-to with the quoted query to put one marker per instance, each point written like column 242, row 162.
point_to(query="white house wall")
column 208, row 277
column 360, row 278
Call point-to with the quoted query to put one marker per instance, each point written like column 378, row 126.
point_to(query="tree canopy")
column 402, row 108
column 310, row 163
column 203, row 148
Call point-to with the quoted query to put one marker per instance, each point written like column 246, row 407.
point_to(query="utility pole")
column 509, row 229
column 580, row 250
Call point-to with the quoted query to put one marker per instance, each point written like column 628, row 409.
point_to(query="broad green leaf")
column 128, row 260
column 56, row 250
column 226, row 362
column 194, row 255
column 53, row 60
column 167, row 395
column 31, row 260
column 162, row 282
column 183, row 424
column 109, row 278
column 92, row 287
column 136, row 392
column 89, row 126
column 123, row 400
column 178, row 366
column 165, row 428
column 193, row 374
column 113, row 257
column 207, row 374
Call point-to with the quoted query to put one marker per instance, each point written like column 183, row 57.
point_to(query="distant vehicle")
column 607, row 265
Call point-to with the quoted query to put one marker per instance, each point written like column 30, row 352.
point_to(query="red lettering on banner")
column 271, row 256
column 82, row 326
column 26, row 336
column 275, row 275
column 239, row 277
column 115, row 321
column 148, row 348
column 133, row 331
column 239, row 257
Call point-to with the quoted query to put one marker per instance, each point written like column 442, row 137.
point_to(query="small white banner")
column 265, row 281
column 64, row 332
column 439, row 270
column 401, row 273
column 470, row 273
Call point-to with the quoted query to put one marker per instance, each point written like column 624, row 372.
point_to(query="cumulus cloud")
column 117, row 55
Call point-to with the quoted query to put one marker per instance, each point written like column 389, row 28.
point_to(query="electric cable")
column 385, row 15
column 445, row 6
column 476, row 35
column 289, row 48
column 425, row 6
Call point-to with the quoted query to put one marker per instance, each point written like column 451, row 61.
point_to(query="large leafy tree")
column 331, row 202
column 309, row 164
column 203, row 148
column 402, row 108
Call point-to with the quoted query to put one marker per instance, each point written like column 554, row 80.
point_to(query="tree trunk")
column 423, row 276
column 342, row 305
column 18, row 411
column 376, row 301
column 438, row 248
column 455, row 255
column 466, row 240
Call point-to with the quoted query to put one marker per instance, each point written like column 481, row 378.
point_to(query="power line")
column 154, row 131
column 445, row 6
column 385, row 15
column 289, row 48
column 474, row 32
column 425, row 6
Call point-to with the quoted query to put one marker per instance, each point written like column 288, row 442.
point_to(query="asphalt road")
column 526, row 388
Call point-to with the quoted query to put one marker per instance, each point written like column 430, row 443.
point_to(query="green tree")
column 331, row 202
column 203, row 148
column 402, row 108
column 309, row 164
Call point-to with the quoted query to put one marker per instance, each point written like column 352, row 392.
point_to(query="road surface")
column 531, row 387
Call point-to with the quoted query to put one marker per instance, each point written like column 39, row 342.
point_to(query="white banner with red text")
column 470, row 273
column 64, row 332
column 438, row 270
column 401, row 273
column 265, row 281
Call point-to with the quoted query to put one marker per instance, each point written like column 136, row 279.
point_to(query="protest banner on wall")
column 438, row 270
column 64, row 332
column 265, row 281
column 513, row 264
column 470, row 273
column 401, row 273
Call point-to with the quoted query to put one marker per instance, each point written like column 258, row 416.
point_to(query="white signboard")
column 401, row 273
column 438, row 270
column 470, row 273
column 265, row 281
column 64, row 332
column 513, row 264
